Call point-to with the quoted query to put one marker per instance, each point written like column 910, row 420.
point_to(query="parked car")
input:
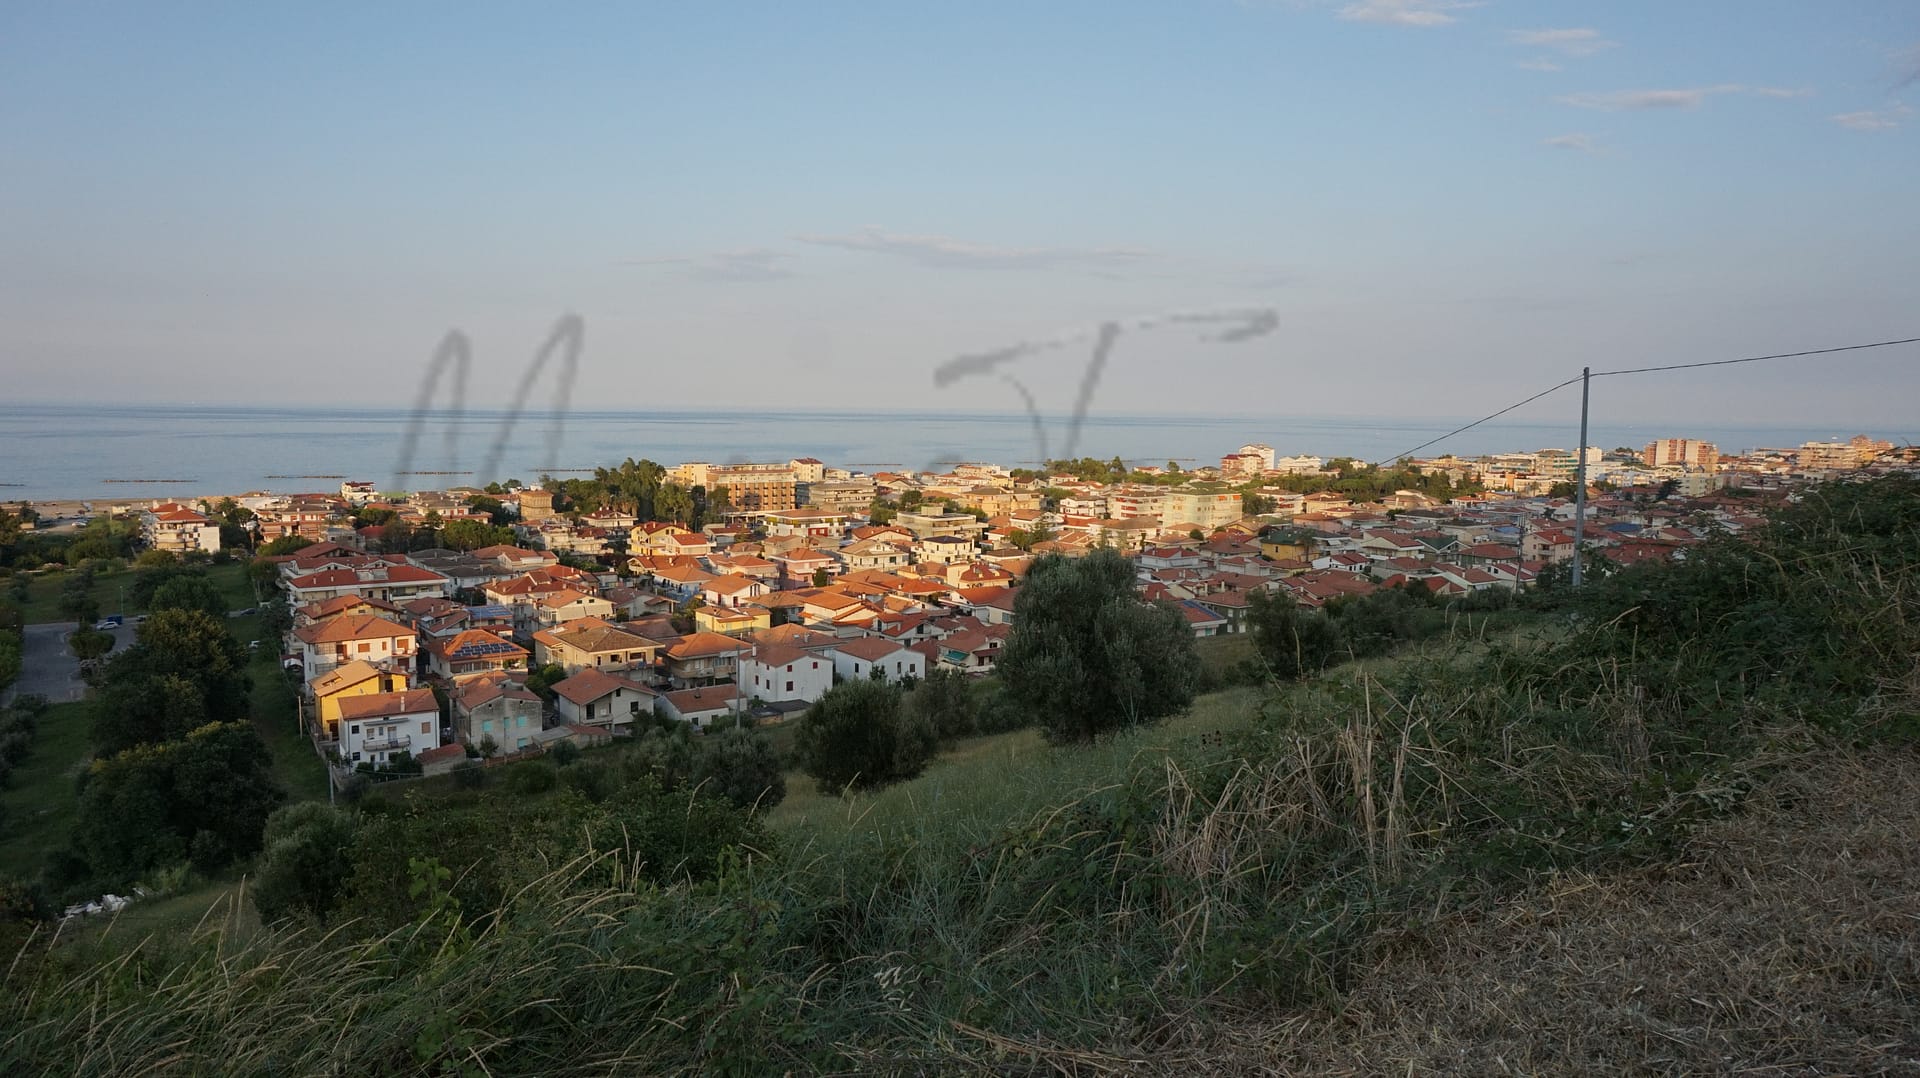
column 111, row 621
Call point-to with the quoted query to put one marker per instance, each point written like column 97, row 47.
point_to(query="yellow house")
column 1284, row 548
column 357, row 678
column 728, row 621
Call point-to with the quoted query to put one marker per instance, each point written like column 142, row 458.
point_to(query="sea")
column 124, row 453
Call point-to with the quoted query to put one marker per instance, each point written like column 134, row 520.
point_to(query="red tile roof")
column 589, row 685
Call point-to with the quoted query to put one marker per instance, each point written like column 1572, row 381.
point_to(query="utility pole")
column 1580, row 477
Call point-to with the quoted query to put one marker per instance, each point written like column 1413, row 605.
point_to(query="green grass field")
column 39, row 800
column 276, row 716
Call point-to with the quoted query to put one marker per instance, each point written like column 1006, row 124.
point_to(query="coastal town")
column 428, row 627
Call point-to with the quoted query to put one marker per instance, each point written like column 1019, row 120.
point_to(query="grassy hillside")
column 1536, row 840
column 38, row 804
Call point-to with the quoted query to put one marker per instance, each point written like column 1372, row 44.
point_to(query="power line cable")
column 1651, row 370
column 1477, row 422
column 1757, row 359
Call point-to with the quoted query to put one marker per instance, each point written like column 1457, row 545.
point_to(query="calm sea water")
column 73, row 451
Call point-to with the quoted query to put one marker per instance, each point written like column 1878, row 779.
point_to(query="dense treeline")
column 101, row 539
column 640, row 487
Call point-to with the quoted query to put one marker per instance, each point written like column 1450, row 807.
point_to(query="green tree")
column 88, row 643
column 184, row 670
column 1087, row 656
column 397, row 537
column 541, row 680
column 1291, row 641
column 857, row 735
column 152, row 575
column 741, row 766
column 1025, row 539
column 821, row 578
column 1373, row 624
column 9, row 657
column 473, row 534
column 286, row 544
column 189, row 592
column 944, row 701
column 10, row 532
column 673, row 502
column 1255, row 505
column 307, row 862
column 276, row 621
column 77, row 604
column 206, row 796
column 496, row 510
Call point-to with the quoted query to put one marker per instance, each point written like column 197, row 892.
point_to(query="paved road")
column 48, row 668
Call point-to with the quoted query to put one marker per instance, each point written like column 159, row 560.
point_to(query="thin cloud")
column 1874, row 120
column 1572, row 41
column 755, row 264
column 1405, row 12
column 1576, row 140
column 750, row 264
column 1634, row 100
column 1538, row 63
column 946, row 252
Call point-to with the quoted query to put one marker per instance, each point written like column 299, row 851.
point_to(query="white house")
column 376, row 727
column 596, row 698
column 776, row 674
column 344, row 638
column 859, row 658
column 702, row 706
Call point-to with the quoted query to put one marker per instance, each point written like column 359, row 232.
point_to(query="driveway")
column 48, row 668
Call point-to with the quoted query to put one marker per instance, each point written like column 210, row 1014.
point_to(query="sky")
column 1408, row 207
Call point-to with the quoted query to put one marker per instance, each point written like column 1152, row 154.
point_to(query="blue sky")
column 1446, row 206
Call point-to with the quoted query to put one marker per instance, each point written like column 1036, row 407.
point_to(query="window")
column 426, row 728
column 789, row 686
column 355, row 729
column 365, row 647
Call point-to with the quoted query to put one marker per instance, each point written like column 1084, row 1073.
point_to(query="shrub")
column 741, row 766
column 470, row 775
column 1087, row 656
column 596, row 779
column 563, row 753
column 30, row 703
column 531, row 778
column 1293, row 642
column 664, row 755
column 14, row 747
column 945, row 702
column 857, row 735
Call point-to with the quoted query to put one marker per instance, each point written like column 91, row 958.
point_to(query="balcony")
column 386, row 743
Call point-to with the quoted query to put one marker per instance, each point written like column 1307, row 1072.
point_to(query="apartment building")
column 1684, row 452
